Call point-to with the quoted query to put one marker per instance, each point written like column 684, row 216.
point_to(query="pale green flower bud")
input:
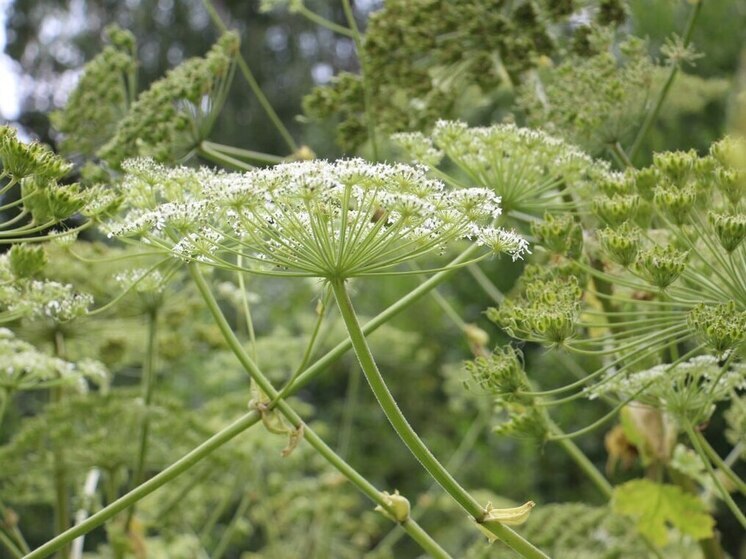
column 621, row 244
column 661, row 266
column 722, row 326
column 561, row 234
column 730, row 229
column 676, row 203
column 398, row 504
column 27, row 260
column 617, row 209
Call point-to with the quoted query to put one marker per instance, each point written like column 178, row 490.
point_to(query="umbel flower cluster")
column 339, row 219
column 527, row 168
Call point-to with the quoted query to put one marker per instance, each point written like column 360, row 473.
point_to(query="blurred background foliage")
column 289, row 56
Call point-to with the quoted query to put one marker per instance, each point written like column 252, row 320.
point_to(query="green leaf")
column 657, row 506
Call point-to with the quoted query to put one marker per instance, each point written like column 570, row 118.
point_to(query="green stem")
column 621, row 156
column 320, row 20
column 720, row 463
column 367, row 95
column 243, row 153
column 147, row 383
column 225, row 539
column 652, row 116
column 10, row 545
column 724, row 494
column 410, row 438
column 485, row 283
column 253, row 84
column 62, row 498
column 579, row 457
column 142, row 491
column 454, row 463
column 421, row 537
column 4, row 400
column 12, row 531
column 233, row 430
column 222, row 159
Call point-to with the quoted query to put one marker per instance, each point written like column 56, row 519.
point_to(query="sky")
column 9, row 71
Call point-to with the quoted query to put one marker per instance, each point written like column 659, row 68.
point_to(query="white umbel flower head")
column 341, row 219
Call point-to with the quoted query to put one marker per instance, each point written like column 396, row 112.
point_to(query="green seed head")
column 722, row 326
column 730, row 229
column 661, row 266
column 617, row 209
column 621, row 244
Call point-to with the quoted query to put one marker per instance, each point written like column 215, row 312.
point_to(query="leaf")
column 655, row 506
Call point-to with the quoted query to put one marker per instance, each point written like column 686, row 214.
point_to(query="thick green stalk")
column 4, row 400
column 147, row 383
column 409, row 436
column 383, row 317
column 233, row 430
column 652, row 115
column 421, row 537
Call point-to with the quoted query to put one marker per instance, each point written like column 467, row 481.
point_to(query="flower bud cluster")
column 24, row 367
column 171, row 118
column 688, row 390
column 661, row 265
column 561, row 234
column 525, row 167
column 20, row 160
column 500, row 374
column 621, row 244
column 722, row 326
column 100, row 99
column 547, row 311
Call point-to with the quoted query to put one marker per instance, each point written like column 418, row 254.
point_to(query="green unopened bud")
column 677, row 203
column 722, row 326
column 621, row 244
column 617, row 209
column 27, row 260
column 646, row 181
column 676, row 165
column 661, row 266
column 524, row 421
column 730, row 229
column 64, row 200
column 398, row 506
column 20, row 160
column 513, row 516
column 732, row 184
column 560, row 234
column 501, row 373
column 730, row 152
column 553, row 326
column 617, row 183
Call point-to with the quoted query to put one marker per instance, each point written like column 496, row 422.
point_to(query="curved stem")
column 409, row 436
column 421, row 537
column 720, row 463
column 320, row 20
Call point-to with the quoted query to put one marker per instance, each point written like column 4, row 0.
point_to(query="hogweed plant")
column 145, row 307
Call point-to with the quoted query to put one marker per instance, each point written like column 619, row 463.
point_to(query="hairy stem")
column 409, row 436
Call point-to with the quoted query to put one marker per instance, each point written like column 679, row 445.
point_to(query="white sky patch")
column 9, row 73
